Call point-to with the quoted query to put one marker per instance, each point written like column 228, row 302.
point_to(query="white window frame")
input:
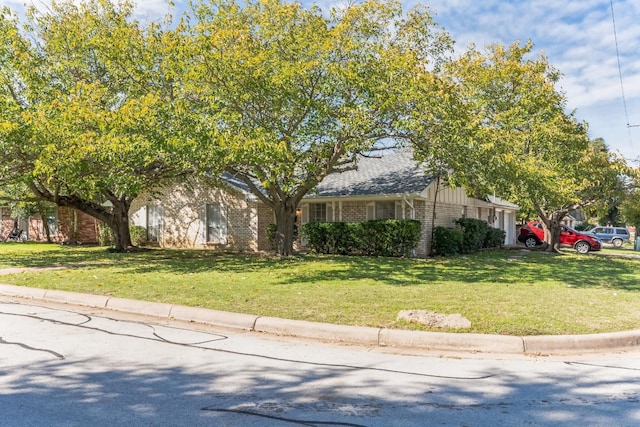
column 215, row 223
column 154, row 222
column 318, row 212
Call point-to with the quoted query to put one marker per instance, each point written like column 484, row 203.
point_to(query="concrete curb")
column 357, row 335
column 320, row 331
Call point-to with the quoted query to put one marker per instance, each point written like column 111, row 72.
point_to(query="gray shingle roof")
column 391, row 174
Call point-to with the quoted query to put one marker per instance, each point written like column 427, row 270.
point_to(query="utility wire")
column 624, row 101
column 615, row 38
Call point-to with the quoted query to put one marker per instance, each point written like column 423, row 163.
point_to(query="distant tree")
column 88, row 108
column 295, row 94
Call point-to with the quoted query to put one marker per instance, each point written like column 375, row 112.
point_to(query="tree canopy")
column 97, row 108
column 296, row 94
column 90, row 112
column 517, row 140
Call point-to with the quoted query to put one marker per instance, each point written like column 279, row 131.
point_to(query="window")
column 385, row 210
column 215, row 223
column 154, row 220
column 318, row 212
column 52, row 220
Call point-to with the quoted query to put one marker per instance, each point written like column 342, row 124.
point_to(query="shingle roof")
column 390, row 174
column 239, row 185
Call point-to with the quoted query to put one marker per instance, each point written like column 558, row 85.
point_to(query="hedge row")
column 391, row 238
column 469, row 236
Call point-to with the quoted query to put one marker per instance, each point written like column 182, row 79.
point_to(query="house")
column 65, row 225
column 394, row 186
column 199, row 214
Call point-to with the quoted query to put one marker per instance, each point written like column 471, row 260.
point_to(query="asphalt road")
column 62, row 365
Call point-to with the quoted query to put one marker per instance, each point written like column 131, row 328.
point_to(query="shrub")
column 447, row 241
column 271, row 235
column 105, row 237
column 331, row 237
column 494, row 238
column 474, row 234
column 392, row 237
column 138, row 235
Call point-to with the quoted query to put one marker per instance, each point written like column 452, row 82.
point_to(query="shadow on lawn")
column 490, row 267
column 508, row 267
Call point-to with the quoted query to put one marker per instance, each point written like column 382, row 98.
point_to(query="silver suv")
column 614, row 235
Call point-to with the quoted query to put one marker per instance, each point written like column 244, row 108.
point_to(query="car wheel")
column 617, row 243
column 531, row 242
column 582, row 247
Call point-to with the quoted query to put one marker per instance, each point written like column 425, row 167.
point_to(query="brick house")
column 196, row 214
column 65, row 225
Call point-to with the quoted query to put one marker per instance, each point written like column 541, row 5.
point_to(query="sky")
column 601, row 78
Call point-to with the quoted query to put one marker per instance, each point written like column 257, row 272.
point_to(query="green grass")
column 504, row 292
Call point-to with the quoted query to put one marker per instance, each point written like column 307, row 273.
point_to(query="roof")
column 499, row 202
column 391, row 174
column 239, row 185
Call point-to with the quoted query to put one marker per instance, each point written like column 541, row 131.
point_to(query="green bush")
column 391, row 237
column 494, row 238
column 271, row 235
column 394, row 238
column 105, row 236
column 138, row 235
column 474, row 234
column 332, row 237
column 447, row 241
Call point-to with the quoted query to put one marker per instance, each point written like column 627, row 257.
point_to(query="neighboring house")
column 574, row 218
column 66, row 225
column 199, row 214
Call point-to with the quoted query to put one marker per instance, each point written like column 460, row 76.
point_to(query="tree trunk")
column 433, row 214
column 119, row 224
column 552, row 236
column 285, row 213
column 116, row 216
column 45, row 226
column 552, row 231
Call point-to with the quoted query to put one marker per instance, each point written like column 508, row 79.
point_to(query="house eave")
column 362, row 198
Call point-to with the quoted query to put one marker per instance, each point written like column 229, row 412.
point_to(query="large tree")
column 294, row 94
column 90, row 108
column 518, row 141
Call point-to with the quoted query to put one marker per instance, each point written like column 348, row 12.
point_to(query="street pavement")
column 69, row 359
column 64, row 364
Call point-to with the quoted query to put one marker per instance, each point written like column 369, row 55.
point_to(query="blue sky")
column 576, row 35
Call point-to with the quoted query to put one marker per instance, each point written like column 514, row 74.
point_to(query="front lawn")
column 505, row 292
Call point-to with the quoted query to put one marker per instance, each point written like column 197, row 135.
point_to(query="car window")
column 622, row 231
column 597, row 230
column 608, row 230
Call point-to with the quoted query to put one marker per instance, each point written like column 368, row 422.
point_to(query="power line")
column 624, row 101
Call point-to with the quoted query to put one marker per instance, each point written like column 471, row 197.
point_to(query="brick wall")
column 73, row 226
column 183, row 214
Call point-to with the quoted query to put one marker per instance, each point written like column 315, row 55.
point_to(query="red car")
column 532, row 235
